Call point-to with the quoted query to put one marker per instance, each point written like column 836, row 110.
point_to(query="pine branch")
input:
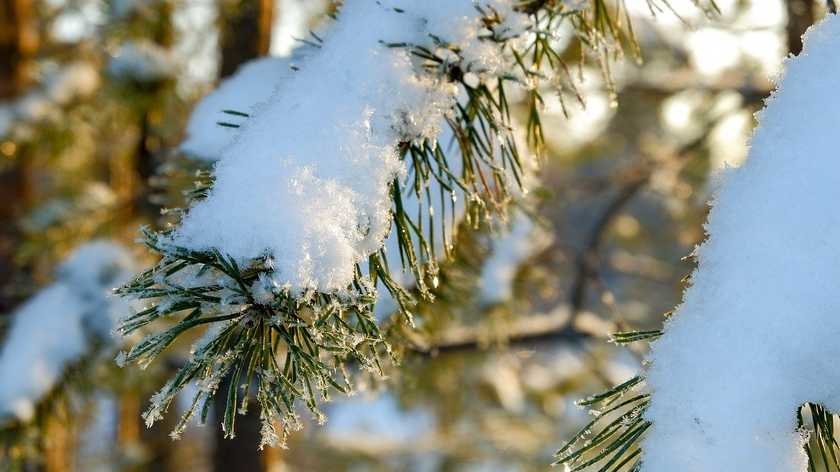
column 611, row 441
column 257, row 328
column 293, row 346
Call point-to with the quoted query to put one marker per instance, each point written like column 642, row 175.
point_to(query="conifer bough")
column 392, row 130
column 743, row 377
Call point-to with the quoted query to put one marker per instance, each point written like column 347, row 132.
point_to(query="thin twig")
column 549, row 328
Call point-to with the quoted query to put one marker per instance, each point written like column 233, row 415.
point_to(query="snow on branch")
column 332, row 177
column 54, row 329
column 307, row 182
column 755, row 337
column 217, row 118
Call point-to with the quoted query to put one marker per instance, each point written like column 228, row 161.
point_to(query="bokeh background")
column 94, row 99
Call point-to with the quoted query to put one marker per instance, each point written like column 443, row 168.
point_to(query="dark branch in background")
column 670, row 85
column 528, row 330
column 550, row 327
column 589, row 258
column 832, row 7
column 801, row 15
column 587, row 261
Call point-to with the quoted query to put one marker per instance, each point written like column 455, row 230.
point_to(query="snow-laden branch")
column 756, row 334
column 755, row 337
column 307, row 182
column 330, row 178
column 58, row 326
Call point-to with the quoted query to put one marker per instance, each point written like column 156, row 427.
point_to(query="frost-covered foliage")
column 327, row 150
column 335, row 181
column 754, row 337
column 57, row 326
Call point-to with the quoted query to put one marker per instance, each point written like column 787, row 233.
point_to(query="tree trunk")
column 241, row 452
column 245, row 35
column 130, row 178
column 18, row 44
column 59, row 440
column 801, row 15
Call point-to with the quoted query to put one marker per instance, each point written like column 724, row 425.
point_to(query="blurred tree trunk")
column 245, row 35
column 18, row 44
column 128, row 421
column 147, row 144
column 59, row 440
column 159, row 444
column 130, row 174
column 801, row 14
column 245, row 32
column 239, row 453
column 273, row 458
